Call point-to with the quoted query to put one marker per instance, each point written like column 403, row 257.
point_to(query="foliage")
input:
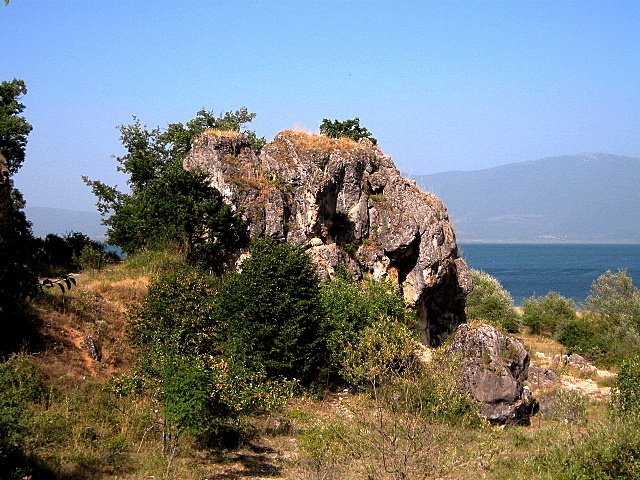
column 625, row 394
column 489, row 302
column 609, row 329
column 177, row 319
column 57, row 255
column 17, row 277
column 20, row 384
column 582, row 336
column 350, row 306
column 546, row 315
column 607, row 451
column 204, row 396
column 273, row 310
column 347, row 129
column 178, row 334
column 382, row 350
column 615, row 299
column 14, row 128
column 168, row 204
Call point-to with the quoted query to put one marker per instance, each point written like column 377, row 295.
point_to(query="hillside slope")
column 589, row 197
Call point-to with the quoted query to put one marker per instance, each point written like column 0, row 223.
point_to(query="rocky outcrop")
column 493, row 368
column 346, row 202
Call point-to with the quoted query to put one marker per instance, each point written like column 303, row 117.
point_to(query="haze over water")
column 536, row 269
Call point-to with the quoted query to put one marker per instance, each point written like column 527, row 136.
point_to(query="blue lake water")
column 535, row 269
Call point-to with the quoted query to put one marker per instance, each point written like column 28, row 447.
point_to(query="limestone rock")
column 349, row 205
column 493, row 369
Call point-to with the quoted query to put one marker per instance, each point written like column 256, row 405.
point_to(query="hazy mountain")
column 60, row 221
column 589, row 197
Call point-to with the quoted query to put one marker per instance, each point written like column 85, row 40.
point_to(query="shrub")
column 382, row 350
column 609, row 330
column 177, row 318
column 625, row 394
column 490, row 303
column 607, row 451
column 20, row 385
column 347, row 129
column 582, row 336
column 350, row 306
column 546, row 315
column 273, row 309
column 205, row 396
column 178, row 333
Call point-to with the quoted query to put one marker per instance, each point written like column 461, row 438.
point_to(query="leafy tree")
column 548, row 314
column 178, row 333
column 57, row 255
column 609, row 329
column 17, row 279
column 273, row 310
column 347, row 129
column 167, row 204
column 14, row 128
column 489, row 302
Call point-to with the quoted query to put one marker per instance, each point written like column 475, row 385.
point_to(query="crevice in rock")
column 404, row 259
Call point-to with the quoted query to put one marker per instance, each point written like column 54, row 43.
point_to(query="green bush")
column 382, row 350
column 490, row 303
column 347, row 129
column 350, row 306
column 609, row 330
column 607, row 451
column 179, row 335
column 625, row 394
column 581, row 336
column 546, row 315
column 274, row 312
column 20, row 385
column 177, row 318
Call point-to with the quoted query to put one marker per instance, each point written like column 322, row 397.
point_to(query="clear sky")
column 442, row 85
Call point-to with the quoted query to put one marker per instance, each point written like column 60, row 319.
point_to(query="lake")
column 536, row 269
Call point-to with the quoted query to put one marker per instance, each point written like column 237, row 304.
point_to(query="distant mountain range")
column 47, row 220
column 590, row 197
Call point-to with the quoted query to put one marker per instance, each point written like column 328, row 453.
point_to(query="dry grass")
column 306, row 141
column 214, row 132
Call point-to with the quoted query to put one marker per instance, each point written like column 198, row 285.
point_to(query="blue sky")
column 442, row 85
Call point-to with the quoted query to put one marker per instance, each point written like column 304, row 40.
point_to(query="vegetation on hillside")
column 167, row 204
column 172, row 365
column 345, row 129
column 17, row 271
column 490, row 303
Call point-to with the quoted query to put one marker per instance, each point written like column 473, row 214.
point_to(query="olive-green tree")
column 489, row 302
column 167, row 204
column 17, row 279
column 345, row 129
column 274, row 312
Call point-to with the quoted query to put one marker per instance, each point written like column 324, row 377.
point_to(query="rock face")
column 493, row 369
column 346, row 202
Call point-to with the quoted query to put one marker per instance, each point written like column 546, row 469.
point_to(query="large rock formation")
column 493, row 368
column 348, row 204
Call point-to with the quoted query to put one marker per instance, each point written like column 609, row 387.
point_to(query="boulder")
column 493, row 367
column 348, row 205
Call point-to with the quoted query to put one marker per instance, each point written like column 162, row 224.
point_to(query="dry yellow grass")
column 214, row 132
column 304, row 140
